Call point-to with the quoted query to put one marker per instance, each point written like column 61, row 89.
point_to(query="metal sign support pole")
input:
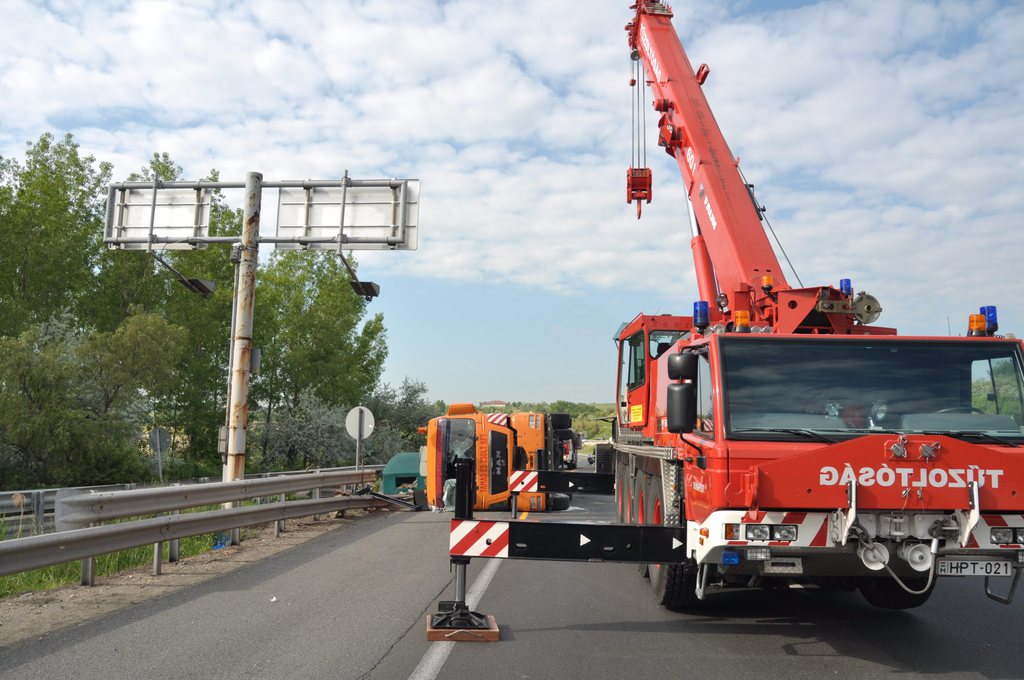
column 241, row 343
column 359, row 441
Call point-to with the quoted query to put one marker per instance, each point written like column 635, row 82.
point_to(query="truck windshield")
column 458, row 439
column 796, row 389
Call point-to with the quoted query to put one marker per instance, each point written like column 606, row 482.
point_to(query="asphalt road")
column 352, row 604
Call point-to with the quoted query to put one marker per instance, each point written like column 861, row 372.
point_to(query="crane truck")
column 790, row 439
column 497, row 444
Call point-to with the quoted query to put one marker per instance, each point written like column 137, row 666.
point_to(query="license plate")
column 974, row 567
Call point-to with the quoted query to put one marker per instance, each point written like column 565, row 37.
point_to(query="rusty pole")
column 241, row 343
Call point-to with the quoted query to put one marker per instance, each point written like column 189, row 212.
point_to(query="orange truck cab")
column 491, row 441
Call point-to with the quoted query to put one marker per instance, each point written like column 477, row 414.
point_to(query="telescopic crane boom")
column 735, row 265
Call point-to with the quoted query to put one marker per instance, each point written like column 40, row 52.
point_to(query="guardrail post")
column 316, row 496
column 89, row 571
column 158, row 558
column 279, row 524
column 173, row 546
column 236, row 533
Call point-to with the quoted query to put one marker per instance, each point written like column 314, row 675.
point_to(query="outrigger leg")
column 454, row 620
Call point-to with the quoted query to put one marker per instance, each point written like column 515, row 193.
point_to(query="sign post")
column 159, row 440
column 241, row 343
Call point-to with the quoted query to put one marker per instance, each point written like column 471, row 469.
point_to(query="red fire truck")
column 791, row 440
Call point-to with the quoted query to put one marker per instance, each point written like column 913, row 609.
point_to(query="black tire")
column 674, row 585
column 885, row 593
column 604, row 455
column 558, row 501
column 560, row 421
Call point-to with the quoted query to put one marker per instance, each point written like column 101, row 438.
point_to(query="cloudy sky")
column 885, row 138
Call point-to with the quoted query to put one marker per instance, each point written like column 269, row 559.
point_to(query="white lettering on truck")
column 646, row 42
column 937, row 478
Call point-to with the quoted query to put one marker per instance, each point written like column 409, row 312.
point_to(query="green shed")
column 403, row 468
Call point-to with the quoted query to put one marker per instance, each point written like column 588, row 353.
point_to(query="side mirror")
column 423, row 462
column 681, row 407
column 682, row 366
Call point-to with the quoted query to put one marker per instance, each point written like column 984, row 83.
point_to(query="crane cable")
column 638, row 136
column 763, row 214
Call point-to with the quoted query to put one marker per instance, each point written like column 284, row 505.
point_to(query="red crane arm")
column 737, row 247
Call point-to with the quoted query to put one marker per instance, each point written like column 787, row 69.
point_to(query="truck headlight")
column 1020, row 535
column 758, row 532
column 1001, row 535
column 784, row 532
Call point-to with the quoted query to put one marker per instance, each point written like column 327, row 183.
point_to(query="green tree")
column 130, row 279
column 73, row 403
column 312, row 334
column 196, row 408
column 51, row 217
column 398, row 415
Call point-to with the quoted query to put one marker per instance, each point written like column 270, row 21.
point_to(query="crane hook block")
column 638, row 187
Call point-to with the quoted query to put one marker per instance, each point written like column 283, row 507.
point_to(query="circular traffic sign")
column 352, row 422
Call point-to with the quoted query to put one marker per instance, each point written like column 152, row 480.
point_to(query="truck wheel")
column 885, row 593
column 675, row 586
column 560, row 421
column 605, row 458
column 558, row 501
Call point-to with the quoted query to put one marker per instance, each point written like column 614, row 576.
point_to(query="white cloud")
column 884, row 137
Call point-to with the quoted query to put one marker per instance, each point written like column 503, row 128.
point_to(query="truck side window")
column 661, row 341
column 636, row 360
column 996, row 388
column 705, row 406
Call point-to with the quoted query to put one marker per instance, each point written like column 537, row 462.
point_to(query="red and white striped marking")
column 521, row 481
column 478, row 538
column 498, row 418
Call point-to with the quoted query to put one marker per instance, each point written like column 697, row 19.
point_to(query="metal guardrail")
column 75, row 510
column 77, row 507
column 31, row 512
column 23, row 554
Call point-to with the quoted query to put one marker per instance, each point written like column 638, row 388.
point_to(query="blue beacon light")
column 991, row 318
column 701, row 314
column 846, row 287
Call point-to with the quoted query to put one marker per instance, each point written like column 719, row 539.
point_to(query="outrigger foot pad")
column 459, row 624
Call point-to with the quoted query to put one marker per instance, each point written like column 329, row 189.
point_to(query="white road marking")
column 430, row 665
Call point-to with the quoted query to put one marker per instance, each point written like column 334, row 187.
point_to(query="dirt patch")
column 33, row 615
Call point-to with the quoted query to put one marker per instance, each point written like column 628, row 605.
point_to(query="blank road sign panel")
column 375, row 217
column 175, row 215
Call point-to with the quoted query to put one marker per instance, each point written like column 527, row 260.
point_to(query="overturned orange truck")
column 496, row 443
